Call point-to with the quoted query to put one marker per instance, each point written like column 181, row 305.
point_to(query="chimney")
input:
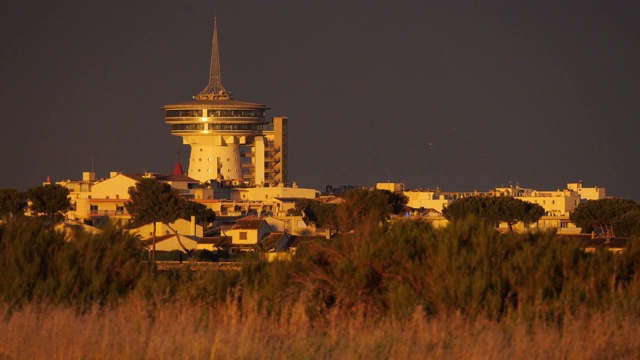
column 193, row 225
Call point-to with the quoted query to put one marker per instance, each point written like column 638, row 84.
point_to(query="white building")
column 231, row 141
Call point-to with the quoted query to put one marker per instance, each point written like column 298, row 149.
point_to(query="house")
column 182, row 226
column 97, row 202
column 278, row 246
column 172, row 242
column 214, row 243
column 249, row 231
column 71, row 227
column 169, row 237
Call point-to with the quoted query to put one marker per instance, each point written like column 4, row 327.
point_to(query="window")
column 243, row 235
column 187, row 127
column 183, row 113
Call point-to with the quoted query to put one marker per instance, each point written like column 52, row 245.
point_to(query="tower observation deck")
column 231, row 141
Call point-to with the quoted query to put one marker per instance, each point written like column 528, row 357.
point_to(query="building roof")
column 287, row 199
column 163, row 177
column 278, row 241
column 177, row 170
column 248, row 223
column 214, row 240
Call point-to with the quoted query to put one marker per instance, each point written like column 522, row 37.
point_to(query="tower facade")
column 231, row 141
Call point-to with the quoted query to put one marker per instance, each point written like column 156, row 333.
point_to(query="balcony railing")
column 108, row 213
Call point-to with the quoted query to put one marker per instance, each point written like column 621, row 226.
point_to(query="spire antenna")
column 214, row 90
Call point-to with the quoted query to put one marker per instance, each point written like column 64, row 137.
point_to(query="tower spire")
column 214, row 90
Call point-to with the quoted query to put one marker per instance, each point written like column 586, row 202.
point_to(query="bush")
column 467, row 268
column 39, row 266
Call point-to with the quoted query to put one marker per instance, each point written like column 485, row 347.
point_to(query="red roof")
column 177, row 170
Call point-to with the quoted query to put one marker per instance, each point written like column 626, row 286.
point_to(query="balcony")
column 109, row 213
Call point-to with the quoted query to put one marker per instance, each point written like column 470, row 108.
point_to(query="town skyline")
column 464, row 97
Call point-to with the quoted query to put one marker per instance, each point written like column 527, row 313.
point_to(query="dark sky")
column 462, row 95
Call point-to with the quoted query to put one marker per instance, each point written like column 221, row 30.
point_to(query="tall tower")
column 231, row 142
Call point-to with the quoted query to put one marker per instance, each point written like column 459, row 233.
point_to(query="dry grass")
column 176, row 331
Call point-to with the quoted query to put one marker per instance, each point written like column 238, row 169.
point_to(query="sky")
column 460, row 95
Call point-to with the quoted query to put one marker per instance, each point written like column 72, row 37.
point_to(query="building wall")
column 267, row 193
column 393, row 187
column 116, row 187
column 593, row 193
column 172, row 244
column 427, row 200
column 214, row 157
column 182, row 226
column 258, row 161
column 280, row 143
column 252, row 236
column 554, row 203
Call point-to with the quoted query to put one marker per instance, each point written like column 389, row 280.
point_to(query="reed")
column 227, row 331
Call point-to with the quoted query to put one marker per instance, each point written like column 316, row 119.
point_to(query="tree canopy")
column 609, row 217
column 50, row 200
column 203, row 214
column 320, row 214
column 494, row 209
column 372, row 206
column 154, row 201
column 12, row 203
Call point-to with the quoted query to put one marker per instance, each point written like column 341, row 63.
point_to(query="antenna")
column 214, row 90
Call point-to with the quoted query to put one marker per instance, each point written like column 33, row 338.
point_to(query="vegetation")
column 153, row 201
column 467, row 268
column 203, row 214
column 400, row 289
column 607, row 215
column 49, row 200
column 39, row 266
column 494, row 210
column 314, row 212
column 359, row 206
column 12, row 203
column 362, row 206
column 232, row 330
